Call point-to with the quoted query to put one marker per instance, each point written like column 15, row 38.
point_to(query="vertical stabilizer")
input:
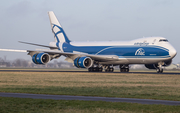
column 59, row 34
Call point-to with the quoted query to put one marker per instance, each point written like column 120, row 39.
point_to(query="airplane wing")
column 57, row 53
column 75, row 55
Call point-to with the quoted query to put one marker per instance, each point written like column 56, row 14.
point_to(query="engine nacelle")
column 41, row 58
column 83, row 62
column 151, row 66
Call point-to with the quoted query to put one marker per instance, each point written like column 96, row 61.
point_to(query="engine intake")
column 83, row 62
column 41, row 58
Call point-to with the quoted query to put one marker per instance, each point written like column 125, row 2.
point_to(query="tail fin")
column 59, row 34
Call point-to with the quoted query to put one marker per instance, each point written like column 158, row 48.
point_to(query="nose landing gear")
column 159, row 67
column 159, row 70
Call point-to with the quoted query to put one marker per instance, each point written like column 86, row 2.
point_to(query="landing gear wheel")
column 162, row 71
column 90, row 69
column 159, row 70
column 124, row 68
column 109, row 69
column 95, row 69
column 159, row 67
column 127, row 69
column 100, row 69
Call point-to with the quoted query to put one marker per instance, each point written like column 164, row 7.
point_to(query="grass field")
column 150, row 86
column 17, row 105
column 147, row 86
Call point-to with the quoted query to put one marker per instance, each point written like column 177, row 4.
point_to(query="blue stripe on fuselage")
column 121, row 51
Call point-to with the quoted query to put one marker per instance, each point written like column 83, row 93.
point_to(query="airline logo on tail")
column 59, row 34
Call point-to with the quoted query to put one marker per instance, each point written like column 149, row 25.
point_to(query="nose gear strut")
column 159, row 67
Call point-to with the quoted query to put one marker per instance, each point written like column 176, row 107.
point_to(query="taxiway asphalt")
column 89, row 98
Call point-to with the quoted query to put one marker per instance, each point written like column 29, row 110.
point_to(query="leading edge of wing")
column 75, row 55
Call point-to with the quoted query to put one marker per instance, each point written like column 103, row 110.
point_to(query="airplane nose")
column 173, row 53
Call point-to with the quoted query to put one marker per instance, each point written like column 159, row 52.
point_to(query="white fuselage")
column 140, row 51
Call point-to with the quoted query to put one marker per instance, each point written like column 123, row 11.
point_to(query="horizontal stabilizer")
column 40, row 45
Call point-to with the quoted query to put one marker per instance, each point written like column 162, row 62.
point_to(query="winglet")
column 59, row 34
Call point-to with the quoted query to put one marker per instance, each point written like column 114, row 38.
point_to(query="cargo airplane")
column 153, row 52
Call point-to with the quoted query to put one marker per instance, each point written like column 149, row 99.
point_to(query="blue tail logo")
column 59, row 34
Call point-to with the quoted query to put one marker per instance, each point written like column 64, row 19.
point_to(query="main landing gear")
column 100, row 69
column 109, row 69
column 124, row 68
column 95, row 69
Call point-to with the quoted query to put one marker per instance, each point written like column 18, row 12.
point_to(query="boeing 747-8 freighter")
column 153, row 52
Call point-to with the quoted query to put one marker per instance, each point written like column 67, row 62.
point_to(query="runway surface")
column 49, row 70
column 89, row 98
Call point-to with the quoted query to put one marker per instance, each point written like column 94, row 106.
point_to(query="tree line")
column 29, row 64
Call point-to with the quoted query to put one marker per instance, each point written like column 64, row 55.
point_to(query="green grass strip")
column 21, row 105
column 145, row 92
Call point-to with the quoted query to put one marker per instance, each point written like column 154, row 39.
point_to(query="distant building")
column 4, row 64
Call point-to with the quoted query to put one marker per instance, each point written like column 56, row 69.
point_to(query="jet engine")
column 41, row 58
column 83, row 62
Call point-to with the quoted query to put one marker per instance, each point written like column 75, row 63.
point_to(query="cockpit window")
column 163, row 40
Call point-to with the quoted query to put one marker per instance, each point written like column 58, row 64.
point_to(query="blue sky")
column 82, row 20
